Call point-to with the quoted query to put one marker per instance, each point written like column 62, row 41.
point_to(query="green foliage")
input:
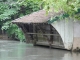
column 33, row 5
column 13, row 29
column 3, row 7
column 59, row 17
column 7, row 14
column 19, row 34
column 9, row 9
column 68, row 6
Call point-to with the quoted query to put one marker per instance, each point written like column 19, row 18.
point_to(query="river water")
column 13, row 50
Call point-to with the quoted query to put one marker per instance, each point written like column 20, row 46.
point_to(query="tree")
column 12, row 9
column 69, row 7
column 9, row 11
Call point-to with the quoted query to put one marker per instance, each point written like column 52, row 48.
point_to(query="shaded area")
column 42, row 33
column 13, row 50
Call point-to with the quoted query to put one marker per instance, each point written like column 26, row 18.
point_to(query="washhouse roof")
column 36, row 17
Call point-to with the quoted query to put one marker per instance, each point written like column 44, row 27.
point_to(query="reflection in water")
column 12, row 50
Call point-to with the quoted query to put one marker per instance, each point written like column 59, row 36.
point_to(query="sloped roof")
column 36, row 17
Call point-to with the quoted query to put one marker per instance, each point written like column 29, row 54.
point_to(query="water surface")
column 13, row 50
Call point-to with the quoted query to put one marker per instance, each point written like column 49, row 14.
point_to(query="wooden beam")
column 43, row 34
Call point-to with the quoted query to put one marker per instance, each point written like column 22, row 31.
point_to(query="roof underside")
column 36, row 17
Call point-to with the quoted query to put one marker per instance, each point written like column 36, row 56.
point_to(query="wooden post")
column 34, row 41
column 51, row 37
column 36, row 32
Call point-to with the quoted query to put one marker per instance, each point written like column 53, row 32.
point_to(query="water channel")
column 14, row 50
